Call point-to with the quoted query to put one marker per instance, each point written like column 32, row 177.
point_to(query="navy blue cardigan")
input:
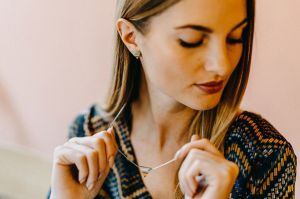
column 265, row 158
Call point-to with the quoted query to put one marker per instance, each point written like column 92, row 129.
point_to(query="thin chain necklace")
column 144, row 169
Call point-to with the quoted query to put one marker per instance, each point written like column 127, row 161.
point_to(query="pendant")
column 145, row 171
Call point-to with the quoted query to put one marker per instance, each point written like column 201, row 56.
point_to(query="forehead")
column 220, row 15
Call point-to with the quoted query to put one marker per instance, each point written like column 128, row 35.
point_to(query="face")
column 192, row 48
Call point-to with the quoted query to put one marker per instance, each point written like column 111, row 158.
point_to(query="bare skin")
column 168, row 100
column 93, row 157
column 170, row 70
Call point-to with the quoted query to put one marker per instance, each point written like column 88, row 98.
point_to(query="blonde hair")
column 127, row 70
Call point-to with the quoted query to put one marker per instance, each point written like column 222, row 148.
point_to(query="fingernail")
column 194, row 138
column 90, row 186
column 110, row 129
column 82, row 180
column 178, row 153
column 111, row 162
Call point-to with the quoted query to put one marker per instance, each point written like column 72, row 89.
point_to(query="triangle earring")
column 137, row 54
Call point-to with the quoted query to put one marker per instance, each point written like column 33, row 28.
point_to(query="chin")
column 204, row 104
column 204, row 107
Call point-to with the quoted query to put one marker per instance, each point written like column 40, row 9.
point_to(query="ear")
column 128, row 34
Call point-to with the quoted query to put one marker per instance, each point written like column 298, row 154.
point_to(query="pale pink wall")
column 275, row 84
column 55, row 61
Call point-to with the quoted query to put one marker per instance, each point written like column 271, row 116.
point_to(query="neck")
column 159, row 119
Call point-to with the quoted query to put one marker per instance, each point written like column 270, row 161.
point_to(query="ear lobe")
column 127, row 32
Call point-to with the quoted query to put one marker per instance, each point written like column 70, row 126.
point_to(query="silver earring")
column 137, row 54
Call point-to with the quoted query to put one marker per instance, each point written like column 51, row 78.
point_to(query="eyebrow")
column 206, row 29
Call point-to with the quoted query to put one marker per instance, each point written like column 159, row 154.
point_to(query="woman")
column 181, row 68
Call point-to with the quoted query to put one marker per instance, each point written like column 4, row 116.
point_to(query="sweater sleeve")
column 266, row 159
column 274, row 175
column 81, row 127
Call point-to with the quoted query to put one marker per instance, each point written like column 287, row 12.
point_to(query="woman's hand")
column 81, row 165
column 200, row 157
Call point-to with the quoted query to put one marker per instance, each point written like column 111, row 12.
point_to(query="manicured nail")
column 90, row 186
column 111, row 162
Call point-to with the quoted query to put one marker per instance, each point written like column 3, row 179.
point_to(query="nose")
column 218, row 61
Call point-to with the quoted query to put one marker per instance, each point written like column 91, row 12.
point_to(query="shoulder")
column 257, row 142
column 89, row 121
column 266, row 159
column 254, row 130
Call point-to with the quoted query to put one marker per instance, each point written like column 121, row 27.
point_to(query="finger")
column 112, row 131
column 111, row 137
column 193, row 171
column 102, row 143
column 202, row 156
column 101, row 148
column 184, row 172
column 195, row 137
column 184, row 188
column 91, row 143
column 67, row 156
column 110, row 145
column 92, row 161
column 202, row 144
column 202, row 185
column 111, row 150
column 182, row 182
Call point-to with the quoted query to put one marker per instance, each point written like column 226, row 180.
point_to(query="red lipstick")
column 210, row 87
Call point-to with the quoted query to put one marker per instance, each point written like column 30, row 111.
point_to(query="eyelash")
column 235, row 41
column 199, row 43
column 190, row 45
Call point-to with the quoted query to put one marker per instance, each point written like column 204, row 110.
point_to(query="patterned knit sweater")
column 265, row 158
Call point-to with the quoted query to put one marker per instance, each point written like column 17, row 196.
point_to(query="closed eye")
column 191, row 45
column 234, row 41
column 230, row 41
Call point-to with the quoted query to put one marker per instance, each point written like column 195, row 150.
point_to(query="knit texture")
column 265, row 158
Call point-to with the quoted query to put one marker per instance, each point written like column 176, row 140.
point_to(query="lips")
column 211, row 87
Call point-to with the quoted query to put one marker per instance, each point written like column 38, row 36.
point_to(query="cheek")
column 165, row 66
column 235, row 55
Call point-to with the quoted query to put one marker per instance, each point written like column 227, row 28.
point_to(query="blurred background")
column 55, row 61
